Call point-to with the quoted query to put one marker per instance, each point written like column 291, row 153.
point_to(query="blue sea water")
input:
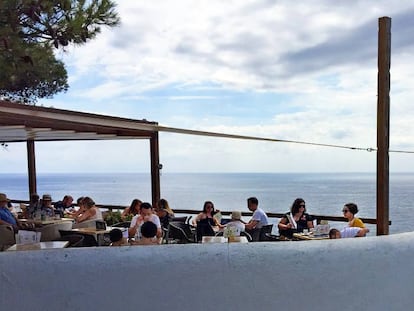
column 324, row 193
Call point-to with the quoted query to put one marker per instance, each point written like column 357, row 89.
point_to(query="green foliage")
column 112, row 218
column 26, row 78
column 29, row 29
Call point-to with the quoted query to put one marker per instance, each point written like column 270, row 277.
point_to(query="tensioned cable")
column 233, row 136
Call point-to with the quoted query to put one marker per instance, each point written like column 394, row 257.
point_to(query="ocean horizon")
column 324, row 193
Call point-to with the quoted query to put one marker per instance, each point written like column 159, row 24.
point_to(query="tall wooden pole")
column 31, row 167
column 383, row 124
column 155, row 169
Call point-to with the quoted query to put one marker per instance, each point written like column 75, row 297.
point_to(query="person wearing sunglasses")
column 349, row 210
column 296, row 220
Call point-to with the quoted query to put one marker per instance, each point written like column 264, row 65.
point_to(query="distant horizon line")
column 129, row 173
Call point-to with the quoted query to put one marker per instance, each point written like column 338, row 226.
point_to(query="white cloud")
column 183, row 62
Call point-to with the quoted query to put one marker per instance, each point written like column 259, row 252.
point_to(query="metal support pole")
column 383, row 124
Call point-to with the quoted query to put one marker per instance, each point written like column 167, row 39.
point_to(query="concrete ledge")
column 373, row 273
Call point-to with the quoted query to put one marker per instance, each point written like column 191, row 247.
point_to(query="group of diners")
column 298, row 221
column 43, row 209
column 87, row 210
column 148, row 224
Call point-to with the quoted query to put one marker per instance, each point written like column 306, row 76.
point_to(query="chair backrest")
column 7, row 237
column 247, row 235
column 51, row 232
column 177, row 232
column 180, row 219
column 263, row 230
column 75, row 240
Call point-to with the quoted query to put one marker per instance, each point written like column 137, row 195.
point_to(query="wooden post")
column 31, row 167
column 155, row 169
column 383, row 124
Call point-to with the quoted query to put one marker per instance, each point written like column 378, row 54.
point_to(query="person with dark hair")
column 132, row 210
column 164, row 212
column 115, row 235
column 349, row 211
column 90, row 212
column 296, row 220
column 259, row 217
column 61, row 206
column 205, row 221
column 146, row 214
column 148, row 234
column 34, row 206
column 348, row 232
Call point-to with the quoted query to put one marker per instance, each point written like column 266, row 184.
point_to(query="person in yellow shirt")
column 349, row 210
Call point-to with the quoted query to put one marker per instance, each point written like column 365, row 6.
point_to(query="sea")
column 324, row 193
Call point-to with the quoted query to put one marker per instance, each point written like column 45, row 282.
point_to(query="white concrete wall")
column 373, row 273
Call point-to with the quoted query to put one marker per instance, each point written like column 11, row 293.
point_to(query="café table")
column 38, row 246
column 221, row 239
column 38, row 222
column 309, row 236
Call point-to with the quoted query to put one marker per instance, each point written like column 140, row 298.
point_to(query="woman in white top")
column 91, row 212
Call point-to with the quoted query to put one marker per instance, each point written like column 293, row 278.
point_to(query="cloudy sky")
column 294, row 70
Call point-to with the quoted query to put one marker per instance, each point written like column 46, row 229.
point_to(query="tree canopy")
column 29, row 32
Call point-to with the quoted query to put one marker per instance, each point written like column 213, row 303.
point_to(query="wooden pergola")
column 24, row 123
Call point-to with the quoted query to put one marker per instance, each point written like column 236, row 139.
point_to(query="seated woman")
column 349, row 210
column 73, row 213
column 90, row 212
column 205, row 221
column 132, row 210
column 164, row 212
column 296, row 220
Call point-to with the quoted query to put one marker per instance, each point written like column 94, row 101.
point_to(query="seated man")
column 148, row 234
column 61, row 206
column 259, row 218
column 348, row 232
column 6, row 217
column 145, row 214
column 47, row 207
